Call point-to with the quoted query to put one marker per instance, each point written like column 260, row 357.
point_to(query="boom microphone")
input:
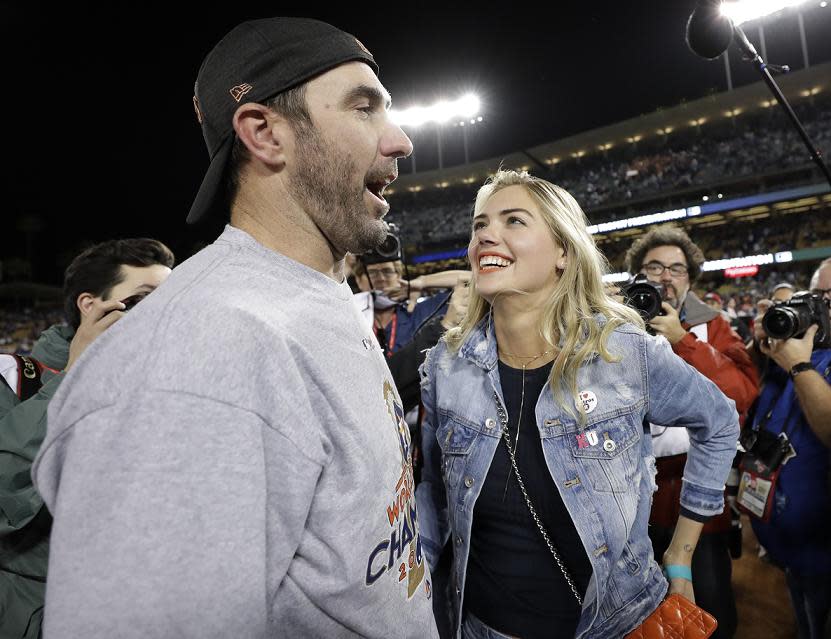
column 709, row 33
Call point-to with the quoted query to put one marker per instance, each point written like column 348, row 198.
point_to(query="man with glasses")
column 703, row 338
column 796, row 400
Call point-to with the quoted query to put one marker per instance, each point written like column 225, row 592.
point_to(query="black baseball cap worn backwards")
column 254, row 62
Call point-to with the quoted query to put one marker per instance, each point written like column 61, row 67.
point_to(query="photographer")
column 406, row 329
column 703, row 339
column 397, row 316
column 780, row 293
column 794, row 525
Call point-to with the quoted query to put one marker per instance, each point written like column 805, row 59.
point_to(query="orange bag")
column 676, row 618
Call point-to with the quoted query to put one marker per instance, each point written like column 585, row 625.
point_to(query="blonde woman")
column 537, row 470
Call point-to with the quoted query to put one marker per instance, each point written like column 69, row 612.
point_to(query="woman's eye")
column 478, row 225
column 515, row 220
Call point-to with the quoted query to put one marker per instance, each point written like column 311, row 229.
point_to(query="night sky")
column 101, row 139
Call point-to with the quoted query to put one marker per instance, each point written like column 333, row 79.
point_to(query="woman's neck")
column 519, row 337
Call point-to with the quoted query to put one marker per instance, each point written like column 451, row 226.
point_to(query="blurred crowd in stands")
column 20, row 328
column 744, row 145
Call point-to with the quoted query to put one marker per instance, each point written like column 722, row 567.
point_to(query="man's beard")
column 322, row 186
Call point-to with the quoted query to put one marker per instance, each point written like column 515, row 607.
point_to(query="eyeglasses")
column 656, row 268
column 382, row 272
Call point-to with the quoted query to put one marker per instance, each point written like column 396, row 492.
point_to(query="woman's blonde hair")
column 568, row 319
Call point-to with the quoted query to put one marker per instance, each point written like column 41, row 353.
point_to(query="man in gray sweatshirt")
column 231, row 459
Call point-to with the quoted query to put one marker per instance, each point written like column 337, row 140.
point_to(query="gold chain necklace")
column 531, row 359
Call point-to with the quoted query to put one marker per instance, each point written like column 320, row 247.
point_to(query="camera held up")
column 644, row 296
column 388, row 251
column 785, row 320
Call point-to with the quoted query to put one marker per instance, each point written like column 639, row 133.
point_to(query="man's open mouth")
column 376, row 186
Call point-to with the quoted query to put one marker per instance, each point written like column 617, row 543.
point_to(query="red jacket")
column 723, row 360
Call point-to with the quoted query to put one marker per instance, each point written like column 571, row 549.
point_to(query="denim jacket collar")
column 480, row 345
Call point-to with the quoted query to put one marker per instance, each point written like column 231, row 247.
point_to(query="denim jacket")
column 606, row 487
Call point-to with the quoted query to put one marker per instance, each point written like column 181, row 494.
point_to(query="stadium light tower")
column 466, row 107
column 465, row 126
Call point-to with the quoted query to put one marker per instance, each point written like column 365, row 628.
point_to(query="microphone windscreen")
column 709, row 33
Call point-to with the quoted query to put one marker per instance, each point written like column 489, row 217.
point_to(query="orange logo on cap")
column 197, row 109
column 362, row 47
column 240, row 90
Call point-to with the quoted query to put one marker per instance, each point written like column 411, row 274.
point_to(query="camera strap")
column 759, row 468
column 393, row 332
column 28, row 378
column 381, row 334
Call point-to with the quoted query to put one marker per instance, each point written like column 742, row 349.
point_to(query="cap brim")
column 209, row 198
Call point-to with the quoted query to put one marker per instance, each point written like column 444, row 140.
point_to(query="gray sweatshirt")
column 230, row 460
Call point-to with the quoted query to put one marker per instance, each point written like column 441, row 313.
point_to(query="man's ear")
column 264, row 133
column 84, row 303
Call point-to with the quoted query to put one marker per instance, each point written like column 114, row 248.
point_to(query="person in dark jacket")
column 100, row 285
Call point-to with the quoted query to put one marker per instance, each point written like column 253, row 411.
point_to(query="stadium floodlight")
column 741, row 11
column 465, row 107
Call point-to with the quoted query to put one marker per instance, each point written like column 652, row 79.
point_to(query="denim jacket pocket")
column 455, row 438
column 608, row 452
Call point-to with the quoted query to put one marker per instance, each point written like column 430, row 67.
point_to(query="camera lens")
column 781, row 323
column 389, row 247
column 643, row 301
column 645, row 297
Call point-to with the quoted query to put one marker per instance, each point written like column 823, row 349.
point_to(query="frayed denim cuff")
column 701, row 501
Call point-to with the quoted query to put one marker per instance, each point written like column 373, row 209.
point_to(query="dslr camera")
column 644, row 296
column 388, row 251
column 785, row 320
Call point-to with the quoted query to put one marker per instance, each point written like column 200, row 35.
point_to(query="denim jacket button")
column 609, row 445
column 468, row 481
column 490, row 423
column 459, row 541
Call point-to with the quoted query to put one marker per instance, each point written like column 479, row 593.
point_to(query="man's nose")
column 396, row 143
column 666, row 276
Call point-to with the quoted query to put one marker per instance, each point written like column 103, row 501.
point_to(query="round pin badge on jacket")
column 587, row 401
